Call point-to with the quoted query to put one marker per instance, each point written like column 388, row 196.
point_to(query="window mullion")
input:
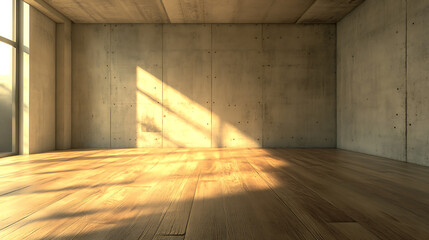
column 7, row 41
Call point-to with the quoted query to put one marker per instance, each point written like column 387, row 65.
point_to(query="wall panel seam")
column 110, row 82
column 211, row 85
column 263, row 86
column 406, row 81
column 162, row 85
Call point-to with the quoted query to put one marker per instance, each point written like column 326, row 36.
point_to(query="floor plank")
column 354, row 231
column 207, row 193
column 376, row 214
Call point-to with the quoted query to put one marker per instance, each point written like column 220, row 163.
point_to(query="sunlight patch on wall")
column 228, row 135
column 185, row 122
column 182, row 115
column 148, row 110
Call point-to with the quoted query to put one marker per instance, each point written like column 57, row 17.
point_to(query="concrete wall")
column 186, row 85
column 41, row 83
column 299, row 93
column 381, row 72
column 136, row 91
column 237, row 72
column 63, row 85
column 219, row 85
column 91, row 86
column 418, row 81
column 371, row 74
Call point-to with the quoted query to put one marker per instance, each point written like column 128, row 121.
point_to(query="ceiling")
column 204, row 11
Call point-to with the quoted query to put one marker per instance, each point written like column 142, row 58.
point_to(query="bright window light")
column 6, row 81
column 7, row 10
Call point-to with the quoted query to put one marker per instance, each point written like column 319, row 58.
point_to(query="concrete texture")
column 187, row 85
column 91, row 86
column 371, row 79
column 46, row 73
column 299, row 91
column 371, row 74
column 48, row 10
column 383, row 80
column 204, row 11
column 328, row 11
column 201, row 85
column 42, row 83
column 136, row 85
column 63, row 86
column 418, row 81
column 237, row 85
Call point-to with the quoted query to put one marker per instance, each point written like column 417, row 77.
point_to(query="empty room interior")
column 214, row 119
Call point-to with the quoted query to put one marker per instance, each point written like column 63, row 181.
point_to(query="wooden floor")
column 212, row 194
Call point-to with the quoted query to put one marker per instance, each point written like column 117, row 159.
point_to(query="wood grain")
column 209, row 193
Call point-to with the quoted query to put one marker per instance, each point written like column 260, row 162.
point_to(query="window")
column 8, row 65
column 7, row 19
